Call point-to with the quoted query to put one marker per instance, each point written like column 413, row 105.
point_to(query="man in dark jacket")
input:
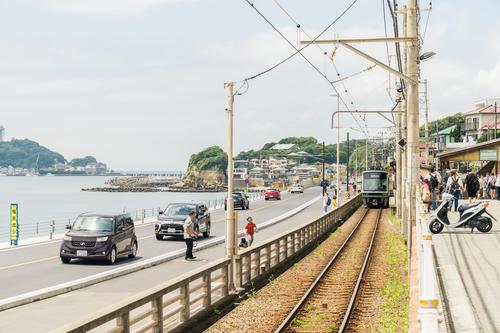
column 471, row 185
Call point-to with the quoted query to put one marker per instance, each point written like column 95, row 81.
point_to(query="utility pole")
column 338, row 144
column 366, row 154
column 398, row 170
column 426, row 126
column 347, row 181
column 231, row 230
column 496, row 121
column 413, row 70
column 323, row 182
column 356, row 157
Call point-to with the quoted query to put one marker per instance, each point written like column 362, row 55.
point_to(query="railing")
column 177, row 302
column 428, row 312
column 48, row 229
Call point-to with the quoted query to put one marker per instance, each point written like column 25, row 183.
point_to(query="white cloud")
column 106, row 7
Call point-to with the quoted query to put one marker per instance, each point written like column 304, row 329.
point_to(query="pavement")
column 37, row 267
column 469, row 268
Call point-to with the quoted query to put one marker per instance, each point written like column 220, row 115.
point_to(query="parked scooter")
column 470, row 216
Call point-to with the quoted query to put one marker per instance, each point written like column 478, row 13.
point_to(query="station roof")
column 470, row 153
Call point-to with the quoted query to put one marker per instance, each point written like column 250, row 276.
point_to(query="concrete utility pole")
column 231, row 229
column 496, row 121
column 338, row 141
column 413, row 70
column 398, row 170
column 323, row 182
column 426, row 126
column 366, row 153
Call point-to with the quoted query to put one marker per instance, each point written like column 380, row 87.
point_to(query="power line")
column 299, row 26
column 299, row 50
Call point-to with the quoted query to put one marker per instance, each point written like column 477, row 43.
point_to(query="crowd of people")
column 474, row 186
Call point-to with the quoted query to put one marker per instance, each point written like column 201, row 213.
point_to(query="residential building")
column 481, row 119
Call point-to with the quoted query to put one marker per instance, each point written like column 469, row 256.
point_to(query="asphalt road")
column 36, row 267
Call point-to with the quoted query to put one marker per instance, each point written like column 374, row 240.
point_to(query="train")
column 376, row 189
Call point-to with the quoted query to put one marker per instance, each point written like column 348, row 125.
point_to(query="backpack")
column 434, row 182
column 328, row 201
column 454, row 186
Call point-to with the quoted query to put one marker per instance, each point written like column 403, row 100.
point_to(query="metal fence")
column 428, row 312
column 48, row 229
column 183, row 300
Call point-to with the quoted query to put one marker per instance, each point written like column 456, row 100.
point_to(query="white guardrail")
column 181, row 302
column 428, row 313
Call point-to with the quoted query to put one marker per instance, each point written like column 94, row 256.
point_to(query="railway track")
column 329, row 303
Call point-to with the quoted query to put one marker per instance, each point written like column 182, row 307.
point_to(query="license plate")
column 81, row 253
column 171, row 230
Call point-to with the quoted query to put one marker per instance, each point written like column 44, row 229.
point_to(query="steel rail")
column 298, row 307
column 361, row 277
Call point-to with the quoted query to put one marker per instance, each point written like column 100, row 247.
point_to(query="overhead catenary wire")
column 340, row 79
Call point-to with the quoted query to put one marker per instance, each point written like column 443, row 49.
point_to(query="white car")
column 297, row 189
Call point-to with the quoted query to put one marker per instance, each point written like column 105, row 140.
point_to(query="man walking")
column 454, row 186
column 189, row 235
column 471, row 185
column 326, row 202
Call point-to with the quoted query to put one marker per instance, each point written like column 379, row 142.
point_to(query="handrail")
column 428, row 312
column 174, row 302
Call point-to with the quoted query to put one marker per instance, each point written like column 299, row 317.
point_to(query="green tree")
column 211, row 158
column 81, row 162
column 27, row 154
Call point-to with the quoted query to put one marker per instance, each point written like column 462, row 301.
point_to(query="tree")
column 211, row 158
column 81, row 162
column 27, row 154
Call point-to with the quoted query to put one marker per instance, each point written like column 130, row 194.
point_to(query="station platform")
column 468, row 266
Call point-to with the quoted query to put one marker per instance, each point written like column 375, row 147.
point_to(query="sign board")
column 14, row 224
column 487, row 154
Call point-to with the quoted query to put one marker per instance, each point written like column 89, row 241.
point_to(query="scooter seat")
column 464, row 207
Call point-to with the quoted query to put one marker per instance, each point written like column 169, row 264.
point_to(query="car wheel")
column 267, row 199
column 65, row 260
column 112, row 256
column 206, row 234
column 159, row 237
column 133, row 250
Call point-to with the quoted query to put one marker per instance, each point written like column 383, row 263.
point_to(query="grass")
column 394, row 219
column 396, row 290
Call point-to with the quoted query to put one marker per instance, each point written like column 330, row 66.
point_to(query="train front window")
column 375, row 182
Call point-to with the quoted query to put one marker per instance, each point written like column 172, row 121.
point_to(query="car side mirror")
column 160, row 212
column 68, row 226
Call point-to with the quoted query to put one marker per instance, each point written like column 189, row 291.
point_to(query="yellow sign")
column 14, row 226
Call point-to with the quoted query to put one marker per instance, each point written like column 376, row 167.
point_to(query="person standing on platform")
column 471, row 185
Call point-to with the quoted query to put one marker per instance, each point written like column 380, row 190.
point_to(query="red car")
column 272, row 194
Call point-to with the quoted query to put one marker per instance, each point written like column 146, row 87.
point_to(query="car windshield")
column 237, row 195
column 179, row 209
column 94, row 223
column 375, row 182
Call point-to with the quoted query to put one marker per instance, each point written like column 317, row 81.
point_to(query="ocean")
column 42, row 199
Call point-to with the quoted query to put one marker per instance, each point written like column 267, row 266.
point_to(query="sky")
column 139, row 84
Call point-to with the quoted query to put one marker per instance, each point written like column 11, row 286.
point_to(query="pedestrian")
column 326, row 202
column 454, row 186
column 189, row 235
column 243, row 243
column 334, row 196
column 471, row 185
column 250, row 229
column 497, row 187
column 434, row 180
column 482, row 186
column 425, row 191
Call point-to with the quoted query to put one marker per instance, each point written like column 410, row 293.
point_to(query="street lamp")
column 338, row 139
column 427, row 55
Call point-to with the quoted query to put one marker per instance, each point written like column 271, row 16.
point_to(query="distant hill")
column 31, row 155
column 25, row 153
column 309, row 145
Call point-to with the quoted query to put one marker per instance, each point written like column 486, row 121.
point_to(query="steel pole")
column 323, row 184
column 338, row 144
column 347, row 181
column 426, row 124
column 413, row 156
column 231, row 248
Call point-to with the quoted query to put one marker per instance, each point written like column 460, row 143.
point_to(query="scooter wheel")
column 485, row 226
column 436, row 227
